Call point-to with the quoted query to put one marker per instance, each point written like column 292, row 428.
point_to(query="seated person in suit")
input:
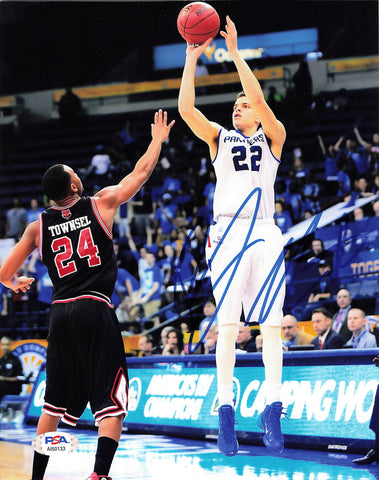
column 373, row 454
column 292, row 334
column 245, row 342
column 361, row 338
column 343, row 300
column 326, row 338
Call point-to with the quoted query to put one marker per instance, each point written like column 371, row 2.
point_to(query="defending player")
column 85, row 355
column 244, row 246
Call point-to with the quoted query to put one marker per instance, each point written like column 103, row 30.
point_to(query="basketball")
column 197, row 22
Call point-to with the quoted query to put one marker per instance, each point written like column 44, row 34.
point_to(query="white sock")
column 272, row 392
column 225, row 394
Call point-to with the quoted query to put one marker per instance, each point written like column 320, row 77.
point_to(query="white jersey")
column 242, row 165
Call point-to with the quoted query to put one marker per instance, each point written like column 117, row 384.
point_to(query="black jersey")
column 77, row 248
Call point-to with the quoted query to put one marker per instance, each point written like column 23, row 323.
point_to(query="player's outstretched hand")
column 21, row 283
column 376, row 361
column 159, row 129
column 230, row 35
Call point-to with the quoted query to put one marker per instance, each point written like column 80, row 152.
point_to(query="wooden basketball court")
column 148, row 457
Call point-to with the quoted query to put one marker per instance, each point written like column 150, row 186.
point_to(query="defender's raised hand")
column 159, row 129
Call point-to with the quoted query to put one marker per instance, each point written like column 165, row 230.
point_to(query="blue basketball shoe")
column 227, row 440
column 269, row 422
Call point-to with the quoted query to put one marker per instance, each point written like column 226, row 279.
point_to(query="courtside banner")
column 329, row 396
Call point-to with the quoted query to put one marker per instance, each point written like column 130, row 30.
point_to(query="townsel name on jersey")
column 69, row 226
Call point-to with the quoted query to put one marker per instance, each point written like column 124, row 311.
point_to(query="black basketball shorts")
column 85, row 362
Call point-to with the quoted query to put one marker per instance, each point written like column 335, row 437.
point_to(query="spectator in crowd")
column 164, row 216
column 125, row 290
column 326, row 339
column 197, row 238
column 164, row 336
column 361, row 338
column 150, row 292
column 310, row 193
column 375, row 207
column 69, row 107
column 164, row 260
column 282, row 217
column 122, row 221
column 11, row 371
column 373, row 454
column 317, row 253
column 175, row 345
column 372, row 147
column 343, row 299
column 375, row 187
column 321, row 292
column 100, row 168
column 299, row 167
column 356, row 156
column 292, row 334
column 145, row 346
column 211, row 337
column 139, row 254
column 323, row 287
column 32, row 213
column 343, row 179
column 183, row 264
column 307, row 214
column 209, row 319
column 172, row 184
column 3, row 301
column 245, row 342
column 361, row 187
column 331, row 158
column 358, row 214
column 123, row 260
column 16, row 220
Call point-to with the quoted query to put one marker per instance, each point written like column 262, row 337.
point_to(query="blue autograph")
column 267, row 286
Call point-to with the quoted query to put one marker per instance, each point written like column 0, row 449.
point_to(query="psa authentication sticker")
column 55, row 443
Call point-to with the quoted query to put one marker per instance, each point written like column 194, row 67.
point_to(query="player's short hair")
column 241, row 94
column 56, row 182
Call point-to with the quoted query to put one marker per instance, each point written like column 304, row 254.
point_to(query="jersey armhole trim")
column 99, row 219
column 269, row 147
column 218, row 144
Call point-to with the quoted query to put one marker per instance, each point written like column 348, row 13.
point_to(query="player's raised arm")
column 250, row 85
column 109, row 198
column 197, row 122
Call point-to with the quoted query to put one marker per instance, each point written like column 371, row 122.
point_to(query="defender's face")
column 243, row 114
column 75, row 179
